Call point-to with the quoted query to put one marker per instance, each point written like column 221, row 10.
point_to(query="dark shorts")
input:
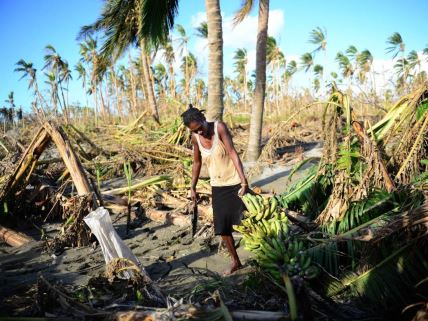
column 227, row 208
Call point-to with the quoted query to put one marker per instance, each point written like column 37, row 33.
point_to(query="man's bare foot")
column 235, row 267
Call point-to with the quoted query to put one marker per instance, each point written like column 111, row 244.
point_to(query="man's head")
column 195, row 120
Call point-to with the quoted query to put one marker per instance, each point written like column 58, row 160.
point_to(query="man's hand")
column 243, row 190
column 193, row 195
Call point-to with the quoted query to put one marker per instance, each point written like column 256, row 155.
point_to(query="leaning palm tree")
column 318, row 37
column 306, row 61
column 345, row 67
column 27, row 70
column 396, row 44
column 254, row 140
column 134, row 22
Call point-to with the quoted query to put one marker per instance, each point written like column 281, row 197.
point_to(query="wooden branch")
column 13, row 238
column 167, row 217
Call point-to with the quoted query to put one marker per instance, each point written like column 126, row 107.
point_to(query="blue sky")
column 26, row 27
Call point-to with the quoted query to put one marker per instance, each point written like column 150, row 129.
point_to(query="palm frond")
column 391, row 281
column 244, row 11
column 202, row 30
column 396, row 44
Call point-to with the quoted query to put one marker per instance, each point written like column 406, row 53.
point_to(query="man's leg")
column 230, row 245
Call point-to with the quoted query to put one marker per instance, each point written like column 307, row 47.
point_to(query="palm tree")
column 307, row 61
column 55, row 63
column 318, row 71
column 65, row 77
column 183, row 43
column 169, row 57
column 134, row 22
column 241, row 62
column 425, row 52
column 189, row 63
column 316, row 84
column 345, row 66
column 88, row 51
column 11, row 101
column 402, row 70
column 318, row 37
column 53, row 84
column 81, row 71
column 396, row 45
column 200, row 90
column 161, row 78
column 254, row 140
column 274, row 58
column 27, row 69
column 215, row 60
column 365, row 61
column 414, row 61
column 202, row 30
column 290, row 70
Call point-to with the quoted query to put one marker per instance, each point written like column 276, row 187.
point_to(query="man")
column 212, row 144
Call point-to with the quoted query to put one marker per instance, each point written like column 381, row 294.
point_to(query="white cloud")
column 244, row 35
column 196, row 19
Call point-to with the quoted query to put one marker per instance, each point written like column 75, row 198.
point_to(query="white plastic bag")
column 112, row 246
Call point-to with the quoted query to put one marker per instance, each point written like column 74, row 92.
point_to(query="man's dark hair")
column 192, row 114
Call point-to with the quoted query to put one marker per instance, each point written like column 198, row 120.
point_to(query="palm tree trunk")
column 245, row 89
column 172, row 81
column 254, row 140
column 215, row 60
column 116, row 91
column 149, row 85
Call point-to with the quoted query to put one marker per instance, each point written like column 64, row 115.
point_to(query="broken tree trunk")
column 31, row 155
column 13, row 238
column 70, row 159
column 28, row 161
column 362, row 135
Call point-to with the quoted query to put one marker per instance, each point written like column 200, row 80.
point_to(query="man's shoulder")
column 221, row 126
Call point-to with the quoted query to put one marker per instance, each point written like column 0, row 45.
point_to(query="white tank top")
column 221, row 169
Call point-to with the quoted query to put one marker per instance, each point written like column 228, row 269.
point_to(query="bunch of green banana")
column 275, row 257
column 275, row 249
column 260, row 207
column 255, row 231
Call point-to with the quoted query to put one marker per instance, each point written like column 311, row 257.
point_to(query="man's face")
column 197, row 127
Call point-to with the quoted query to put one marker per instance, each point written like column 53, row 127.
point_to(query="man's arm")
column 226, row 138
column 196, row 166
